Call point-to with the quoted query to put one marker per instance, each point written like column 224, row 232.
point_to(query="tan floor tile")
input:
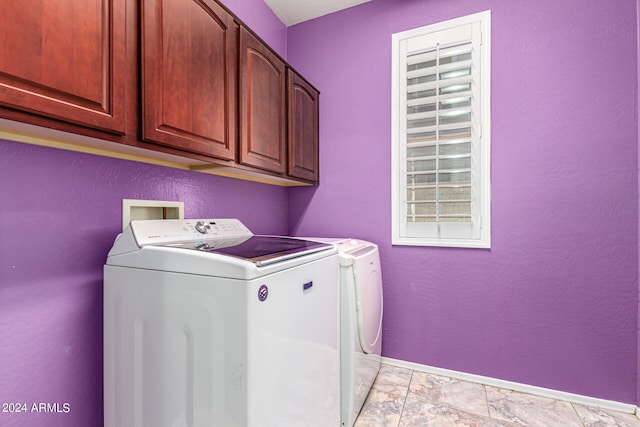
column 454, row 393
column 393, row 380
column 420, row 413
column 530, row 410
column 401, row 397
column 596, row 417
column 380, row 410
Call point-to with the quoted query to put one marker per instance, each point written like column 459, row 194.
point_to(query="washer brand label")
column 263, row 292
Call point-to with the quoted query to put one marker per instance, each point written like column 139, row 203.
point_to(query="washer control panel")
column 163, row 232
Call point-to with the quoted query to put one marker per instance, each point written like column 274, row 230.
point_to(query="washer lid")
column 212, row 247
column 222, row 236
column 265, row 250
column 368, row 291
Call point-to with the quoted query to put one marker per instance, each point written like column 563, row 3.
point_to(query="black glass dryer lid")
column 264, row 250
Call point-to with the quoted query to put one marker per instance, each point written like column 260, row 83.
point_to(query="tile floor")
column 401, row 397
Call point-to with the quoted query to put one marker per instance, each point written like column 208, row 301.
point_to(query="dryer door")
column 368, row 286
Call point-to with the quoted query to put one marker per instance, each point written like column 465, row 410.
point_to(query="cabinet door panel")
column 262, row 106
column 303, row 128
column 65, row 60
column 189, row 76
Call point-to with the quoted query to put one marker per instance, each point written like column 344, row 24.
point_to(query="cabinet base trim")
column 35, row 135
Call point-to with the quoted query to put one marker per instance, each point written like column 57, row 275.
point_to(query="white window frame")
column 476, row 234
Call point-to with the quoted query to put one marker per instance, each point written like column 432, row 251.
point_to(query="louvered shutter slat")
column 439, row 91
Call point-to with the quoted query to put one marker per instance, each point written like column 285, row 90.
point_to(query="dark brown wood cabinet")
column 263, row 129
column 65, row 60
column 177, row 82
column 189, row 76
column 303, row 128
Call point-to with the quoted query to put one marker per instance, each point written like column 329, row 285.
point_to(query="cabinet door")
column 303, row 128
column 189, row 86
column 262, row 106
column 65, row 60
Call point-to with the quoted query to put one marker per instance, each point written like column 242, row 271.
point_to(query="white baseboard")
column 523, row 388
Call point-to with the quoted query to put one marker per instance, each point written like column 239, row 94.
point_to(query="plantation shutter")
column 440, row 129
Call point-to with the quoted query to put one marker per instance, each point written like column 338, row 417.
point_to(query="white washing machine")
column 206, row 324
column 361, row 306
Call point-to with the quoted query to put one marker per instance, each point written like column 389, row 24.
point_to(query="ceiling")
column 294, row 11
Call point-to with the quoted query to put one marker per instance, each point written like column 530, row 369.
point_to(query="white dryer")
column 206, row 324
column 361, row 307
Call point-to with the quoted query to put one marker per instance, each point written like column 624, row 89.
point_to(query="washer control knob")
column 202, row 227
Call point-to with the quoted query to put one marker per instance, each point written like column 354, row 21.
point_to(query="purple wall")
column 638, row 99
column 261, row 19
column 554, row 302
column 59, row 214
